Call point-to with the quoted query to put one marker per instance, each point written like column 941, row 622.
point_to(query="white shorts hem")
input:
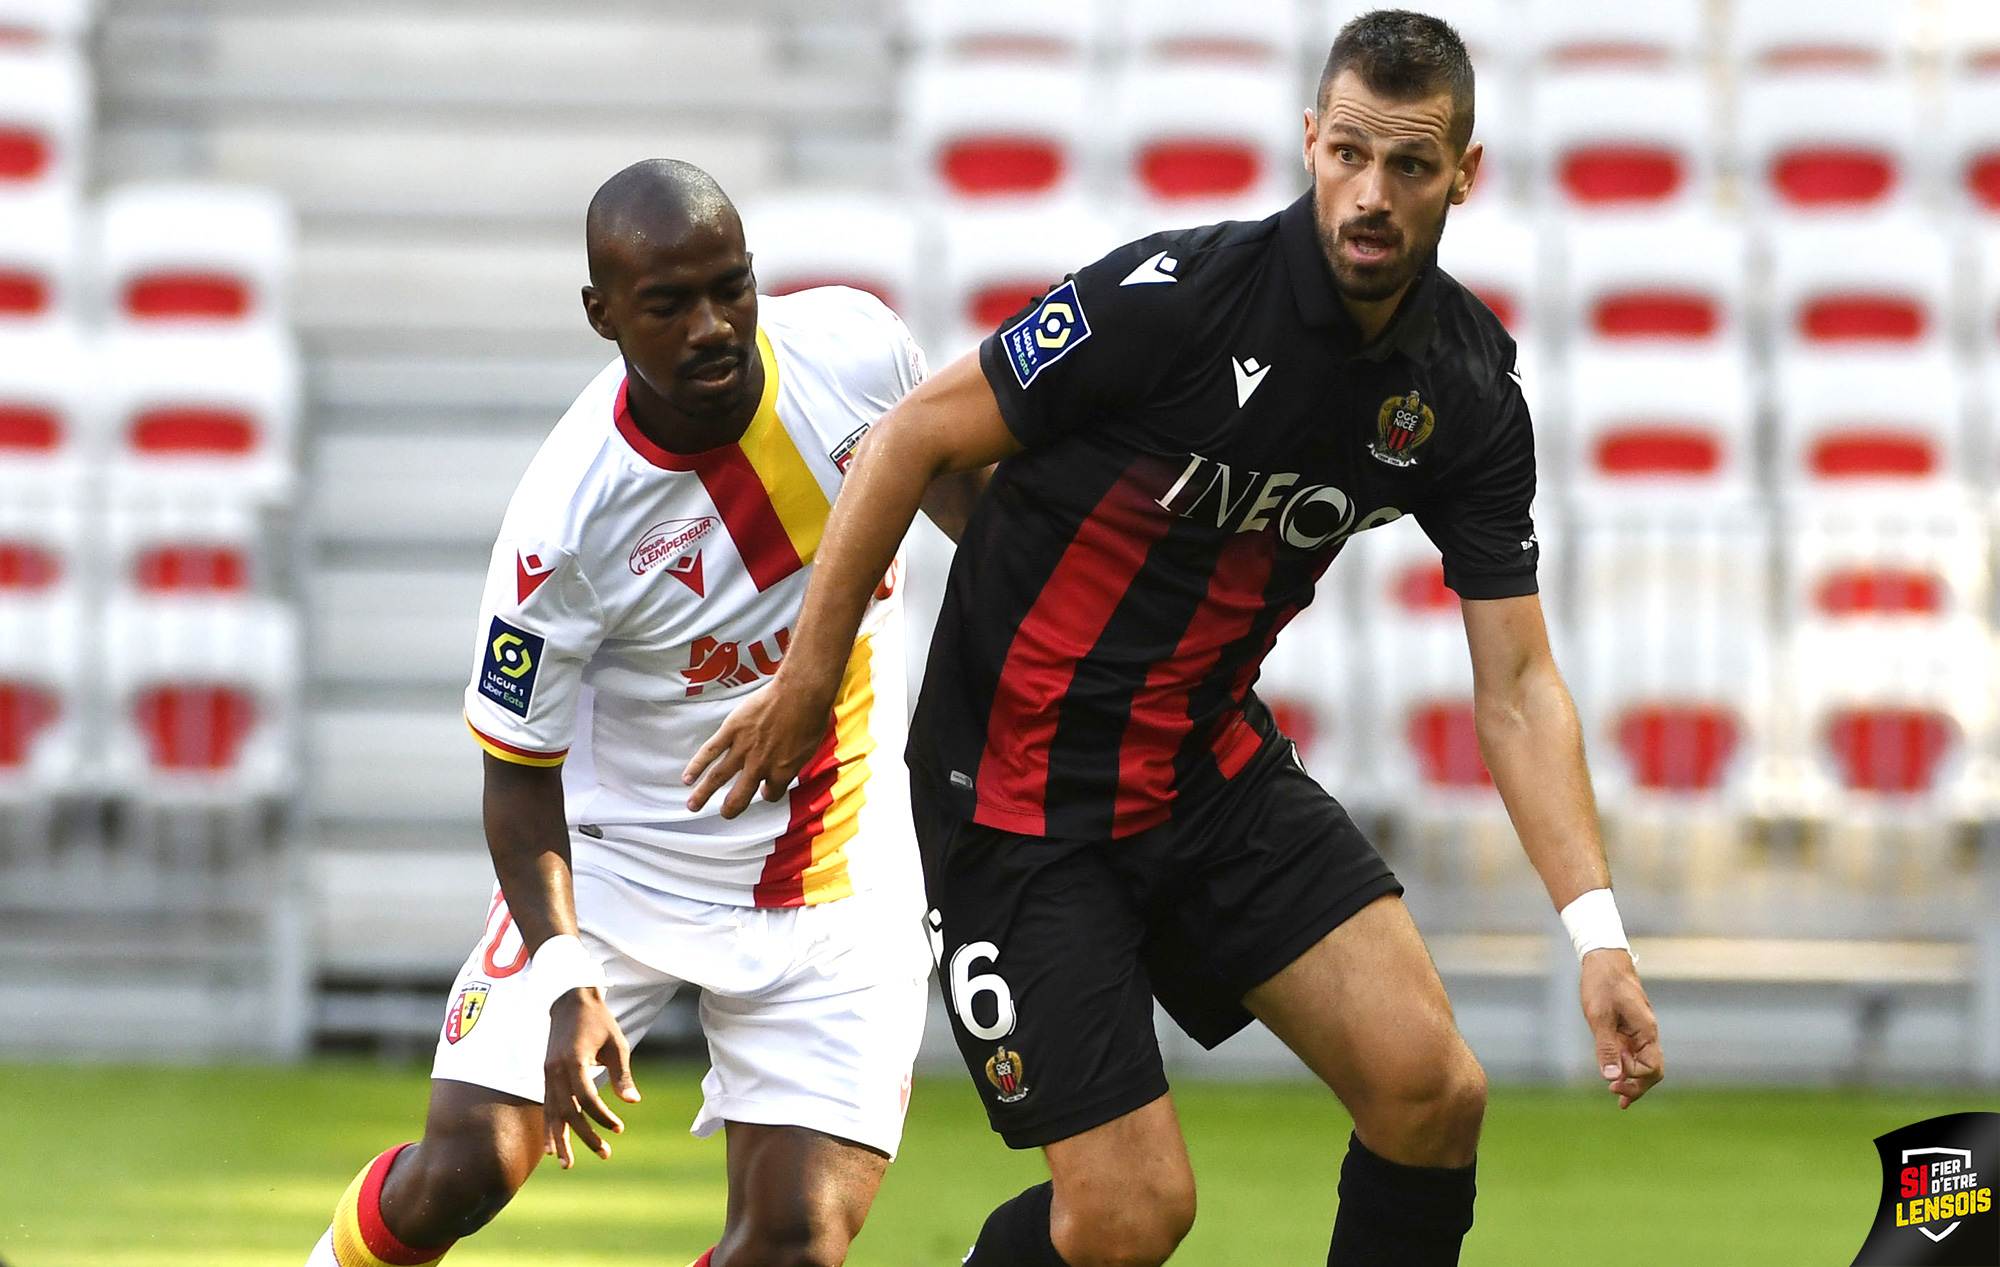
column 825, row 1118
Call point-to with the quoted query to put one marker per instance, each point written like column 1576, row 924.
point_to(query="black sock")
column 1399, row 1216
column 1017, row 1234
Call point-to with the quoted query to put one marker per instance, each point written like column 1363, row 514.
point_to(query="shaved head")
column 650, row 205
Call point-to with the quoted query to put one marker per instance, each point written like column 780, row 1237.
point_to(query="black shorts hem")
column 1076, row 1121
column 1282, row 954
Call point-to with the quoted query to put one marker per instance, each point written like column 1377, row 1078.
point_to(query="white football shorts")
column 812, row 1013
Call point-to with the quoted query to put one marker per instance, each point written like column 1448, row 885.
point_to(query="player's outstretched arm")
column 529, row 839
column 950, row 423
column 1533, row 744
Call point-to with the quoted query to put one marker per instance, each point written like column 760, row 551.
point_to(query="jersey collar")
column 666, row 459
column 1408, row 332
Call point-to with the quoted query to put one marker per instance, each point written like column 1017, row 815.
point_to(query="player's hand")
column 763, row 743
column 582, row 1033
column 1621, row 1021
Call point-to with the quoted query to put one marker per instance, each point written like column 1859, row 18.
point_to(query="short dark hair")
column 1403, row 56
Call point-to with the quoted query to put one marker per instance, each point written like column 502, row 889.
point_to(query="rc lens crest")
column 1402, row 426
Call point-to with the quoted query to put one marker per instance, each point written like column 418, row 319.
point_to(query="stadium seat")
column 1566, row 33
column 41, row 538
column 979, row 130
column 1922, row 560
column 1024, row 29
column 44, row 646
column 1866, row 423
column 179, row 546
column 1972, row 130
column 1621, row 138
column 823, row 238
column 44, row 119
column 1244, row 30
column 1307, row 680
column 1492, row 29
column 48, row 403
column 1497, row 255
column 1893, row 715
column 1827, row 141
column 1807, row 35
column 1660, row 426
column 201, row 697
column 1971, row 37
column 194, row 255
column 1195, row 142
column 38, row 259
column 994, row 262
column 1675, row 280
column 184, row 412
column 1860, row 283
column 30, row 22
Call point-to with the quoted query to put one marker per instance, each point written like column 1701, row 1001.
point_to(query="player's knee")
column 447, row 1189
column 1140, row 1230
column 1432, row 1116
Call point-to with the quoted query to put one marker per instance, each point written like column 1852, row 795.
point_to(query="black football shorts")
column 1051, row 951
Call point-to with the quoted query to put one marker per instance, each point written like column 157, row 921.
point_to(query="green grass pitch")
column 146, row 1167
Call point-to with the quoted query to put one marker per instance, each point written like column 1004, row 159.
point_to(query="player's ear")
column 1468, row 171
column 596, row 311
column 1312, row 138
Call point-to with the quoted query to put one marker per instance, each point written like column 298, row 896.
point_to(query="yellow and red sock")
column 360, row 1238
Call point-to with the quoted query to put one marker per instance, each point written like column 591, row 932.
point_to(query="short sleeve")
column 1481, row 517
column 539, row 624
column 1093, row 347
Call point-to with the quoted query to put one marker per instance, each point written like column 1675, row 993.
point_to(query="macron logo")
column 1248, row 375
column 1160, row 268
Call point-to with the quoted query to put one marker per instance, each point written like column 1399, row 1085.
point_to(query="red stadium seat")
column 26, row 710
column 1895, row 750
column 1621, row 174
column 1420, row 589
column 1656, row 314
column 195, row 255
column 1833, row 284
column 195, row 726
column 193, row 429
column 1865, row 419
column 199, row 296
column 1677, row 279
column 806, row 239
column 188, row 411
column 44, row 118
column 1844, row 454
column 1880, row 591
column 978, row 166
column 995, row 261
column 1843, row 318
column 1187, row 135
column 1829, row 141
column 28, row 565
column 1615, row 139
column 1643, row 448
column 1678, row 747
column 1833, row 176
column 1660, row 32
column 982, row 130
column 1200, row 169
column 1807, row 35
column 1446, row 742
column 192, row 568
column 1497, row 256
column 1661, row 422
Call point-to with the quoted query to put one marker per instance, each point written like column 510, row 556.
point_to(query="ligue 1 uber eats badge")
column 1937, row 1195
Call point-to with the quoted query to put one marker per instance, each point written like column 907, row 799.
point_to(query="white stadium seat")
column 1804, row 35
column 35, row 21
column 1860, row 283
column 44, row 646
column 829, row 238
column 1568, row 33
column 1881, row 422
column 1205, row 142
column 1606, row 139
column 980, row 130
column 44, row 119
column 188, row 412
column 201, row 699
column 1971, row 30
column 1244, row 30
column 42, row 551
column 1056, row 29
column 1673, row 280
column 49, row 403
column 1972, row 139
column 1307, row 680
column 994, row 262
column 38, row 259
column 1497, row 255
column 194, row 255
column 166, row 546
column 1827, row 141
column 1924, row 560
column 1661, row 426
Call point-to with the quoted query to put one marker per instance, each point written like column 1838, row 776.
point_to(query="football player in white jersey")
column 646, row 577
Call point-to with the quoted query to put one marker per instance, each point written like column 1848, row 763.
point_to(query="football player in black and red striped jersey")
column 1187, row 431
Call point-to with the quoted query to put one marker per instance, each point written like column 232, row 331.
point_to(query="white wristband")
column 560, row 965
column 1593, row 924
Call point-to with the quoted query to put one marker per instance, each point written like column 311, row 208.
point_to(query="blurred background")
column 288, row 298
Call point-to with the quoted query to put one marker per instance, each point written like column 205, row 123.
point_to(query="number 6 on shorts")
column 965, row 988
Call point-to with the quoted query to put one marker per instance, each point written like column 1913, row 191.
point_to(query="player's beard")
column 1376, row 282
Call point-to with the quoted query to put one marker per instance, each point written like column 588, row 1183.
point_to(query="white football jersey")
column 635, row 595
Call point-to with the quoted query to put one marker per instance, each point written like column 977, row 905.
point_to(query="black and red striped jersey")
column 1203, row 429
